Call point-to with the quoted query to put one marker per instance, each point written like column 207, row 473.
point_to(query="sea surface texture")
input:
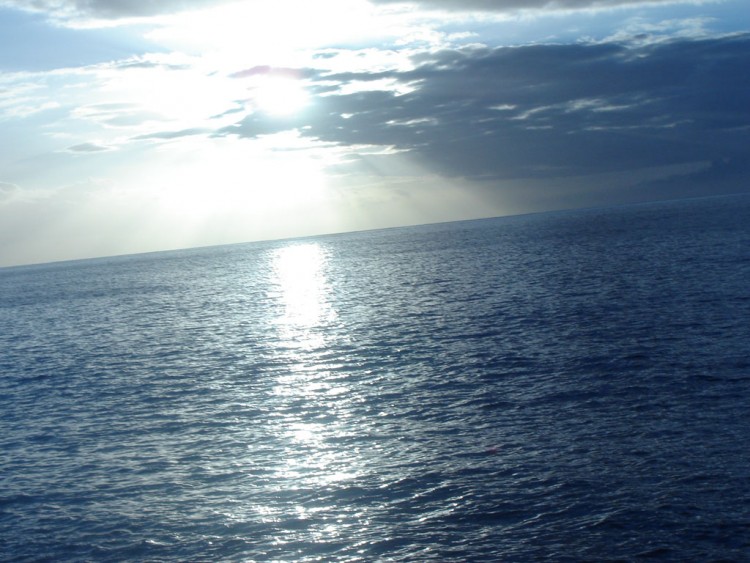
column 569, row 386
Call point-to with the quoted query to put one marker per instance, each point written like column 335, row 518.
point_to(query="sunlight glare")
column 279, row 96
column 234, row 180
column 276, row 29
column 300, row 274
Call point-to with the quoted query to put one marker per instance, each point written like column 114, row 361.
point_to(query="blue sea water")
column 569, row 386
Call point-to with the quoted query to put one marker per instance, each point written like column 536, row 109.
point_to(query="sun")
column 280, row 95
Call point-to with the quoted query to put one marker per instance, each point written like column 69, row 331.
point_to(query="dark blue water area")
column 570, row 386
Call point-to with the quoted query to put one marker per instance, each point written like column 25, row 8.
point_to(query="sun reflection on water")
column 303, row 290
column 312, row 397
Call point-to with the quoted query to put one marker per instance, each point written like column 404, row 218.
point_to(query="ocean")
column 567, row 386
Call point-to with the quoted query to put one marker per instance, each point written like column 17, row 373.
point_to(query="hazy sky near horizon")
column 130, row 126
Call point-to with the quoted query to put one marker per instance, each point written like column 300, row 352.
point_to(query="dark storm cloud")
column 546, row 110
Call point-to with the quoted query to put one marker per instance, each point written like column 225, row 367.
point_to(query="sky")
column 132, row 126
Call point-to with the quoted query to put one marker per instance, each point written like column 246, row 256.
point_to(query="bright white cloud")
column 23, row 94
column 279, row 32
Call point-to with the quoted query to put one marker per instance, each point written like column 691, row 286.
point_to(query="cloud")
column 726, row 175
column 88, row 148
column 168, row 135
column 106, row 9
column 119, row 9
column 116, row 114
column 272, row 71
column 143, row 63
column 543, row 111
column 518, row 5
column 7, row 190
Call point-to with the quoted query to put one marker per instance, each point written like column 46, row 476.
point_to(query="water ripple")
column 566, row 386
